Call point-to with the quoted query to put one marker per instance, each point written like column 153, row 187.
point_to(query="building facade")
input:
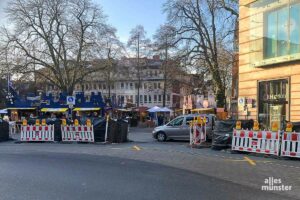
column 121, row 84
column 269, row 61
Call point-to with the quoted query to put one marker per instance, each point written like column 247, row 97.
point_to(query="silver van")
column 179, row 128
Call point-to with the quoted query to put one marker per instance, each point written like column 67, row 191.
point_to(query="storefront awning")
column 21, row 108
column 54, row 109
column 86, row 109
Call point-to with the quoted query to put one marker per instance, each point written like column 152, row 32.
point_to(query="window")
column 274, row 32
column 104, row 86
column 100, row 86
column 112, row 86
column 168, row 97
column 188, row 120
column 158, row 85
column 136, row 86
column 155, row 85
column 145, row 98
column 141, row 98
column 122, row 85
column 155, row 98
column 159, row 98
column 86, row 87
column 95, row 87
column 126, row 86
column 145, row 85
column 131, row 86
column 150, row 99
column 176, row 122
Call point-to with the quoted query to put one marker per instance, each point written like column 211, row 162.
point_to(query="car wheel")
column 161, row 137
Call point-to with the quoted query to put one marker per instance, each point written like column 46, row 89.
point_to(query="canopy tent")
column 158, row 109
column 3, row 111
column 165, row 109
column 20, row 108
column 54, row 109
column 86, row 109
column 154, row 109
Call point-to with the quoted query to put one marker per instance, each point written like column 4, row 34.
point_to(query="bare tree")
column 113, row 51
column 203, row 26
column 164, row 42
column 56, row 39
column 139, row 44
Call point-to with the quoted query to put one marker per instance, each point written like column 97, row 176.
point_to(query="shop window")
column 273, row 102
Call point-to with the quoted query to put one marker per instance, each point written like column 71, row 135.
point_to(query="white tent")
column 154, row 109
column 3, row 111
column 165, row 109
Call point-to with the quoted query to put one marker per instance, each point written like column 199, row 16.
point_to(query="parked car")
column 179, row 128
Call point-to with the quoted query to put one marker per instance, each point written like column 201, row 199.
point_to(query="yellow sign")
column 88, row 122
column 64, row 122
column 238, row 125
column 289, row 127
column 256, row 125
column 37, row 122
column 274, row 126
column 24, row 123
column 76, row 123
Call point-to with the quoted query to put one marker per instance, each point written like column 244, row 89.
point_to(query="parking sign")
column 70, row 100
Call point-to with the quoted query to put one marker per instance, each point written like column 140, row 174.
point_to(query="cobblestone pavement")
column 244, row 169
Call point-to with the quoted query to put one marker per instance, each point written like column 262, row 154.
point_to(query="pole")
column 106, row 128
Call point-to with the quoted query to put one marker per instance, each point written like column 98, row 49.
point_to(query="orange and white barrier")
column 197, row 134
column 290, row 145
column 37, row 133
column 266, row 142
column 80, row 133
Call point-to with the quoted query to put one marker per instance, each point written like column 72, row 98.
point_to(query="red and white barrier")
column 197, row 134
column 37, row 133
column 266, row 142
column 290, row 145
column 81, row 133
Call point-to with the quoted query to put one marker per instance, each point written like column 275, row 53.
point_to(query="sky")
column 124, row 15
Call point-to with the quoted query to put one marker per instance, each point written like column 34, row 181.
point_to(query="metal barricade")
column 37, row 133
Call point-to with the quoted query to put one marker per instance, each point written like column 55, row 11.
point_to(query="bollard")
column 76, row 123
column 44, row 122
column 106, row 128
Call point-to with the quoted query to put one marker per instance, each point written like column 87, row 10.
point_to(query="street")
column 142, row 169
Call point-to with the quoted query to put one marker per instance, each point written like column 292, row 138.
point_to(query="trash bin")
column 99, row 129
column 118, row 131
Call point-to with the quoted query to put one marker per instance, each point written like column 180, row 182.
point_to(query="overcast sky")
column 124, row 14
